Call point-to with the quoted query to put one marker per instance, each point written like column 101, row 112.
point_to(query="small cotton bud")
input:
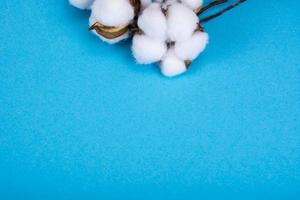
column 153, row 22
column 192, row 47
column 82, row 4
column 147, row 50
column 182, row 22
column 171, row 65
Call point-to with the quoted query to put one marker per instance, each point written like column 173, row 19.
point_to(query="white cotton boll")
column 92, row 21
column 82, row 4
column 147, row 50
column 182, row 22
column 192, row 47
column 113, row 13
column 167, row 3
column 193, row 4
column 145, row 3
column 153, row 22
column 171, row 65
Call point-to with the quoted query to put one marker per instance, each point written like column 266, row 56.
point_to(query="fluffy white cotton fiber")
column 147, row 50
column 171, row 65
column 182, row 22
column 192, row 47
column 113, row 13
column 153, row 22
column 193, row 4
column 145, row 3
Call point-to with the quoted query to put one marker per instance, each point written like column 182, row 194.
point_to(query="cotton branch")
column 211, row 5
column 222, row 11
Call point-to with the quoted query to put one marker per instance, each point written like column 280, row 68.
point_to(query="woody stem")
column 222, row 11
column 211, row 5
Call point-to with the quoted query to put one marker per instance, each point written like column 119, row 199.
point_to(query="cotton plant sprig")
column 168, row 32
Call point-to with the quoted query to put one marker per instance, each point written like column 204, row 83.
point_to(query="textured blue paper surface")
column 80, row 120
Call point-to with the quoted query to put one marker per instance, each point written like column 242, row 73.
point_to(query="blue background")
column 80, row 120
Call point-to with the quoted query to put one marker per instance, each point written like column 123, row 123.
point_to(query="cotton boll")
column 171, row 65
column 145, row 3
column 158, row 1
column 153, row 22
column 192, row 47
column 147, row 50
column 168, row 2
column 113, row 13
column 92, row 20
column 182, row 22
column 82, row 4
column 193, row 4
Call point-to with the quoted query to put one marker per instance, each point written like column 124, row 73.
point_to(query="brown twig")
column 210, row 5
column 222, row 11
column 137, row 5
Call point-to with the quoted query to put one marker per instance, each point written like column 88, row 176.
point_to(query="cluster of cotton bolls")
column 166, row 31
column 170, row 34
